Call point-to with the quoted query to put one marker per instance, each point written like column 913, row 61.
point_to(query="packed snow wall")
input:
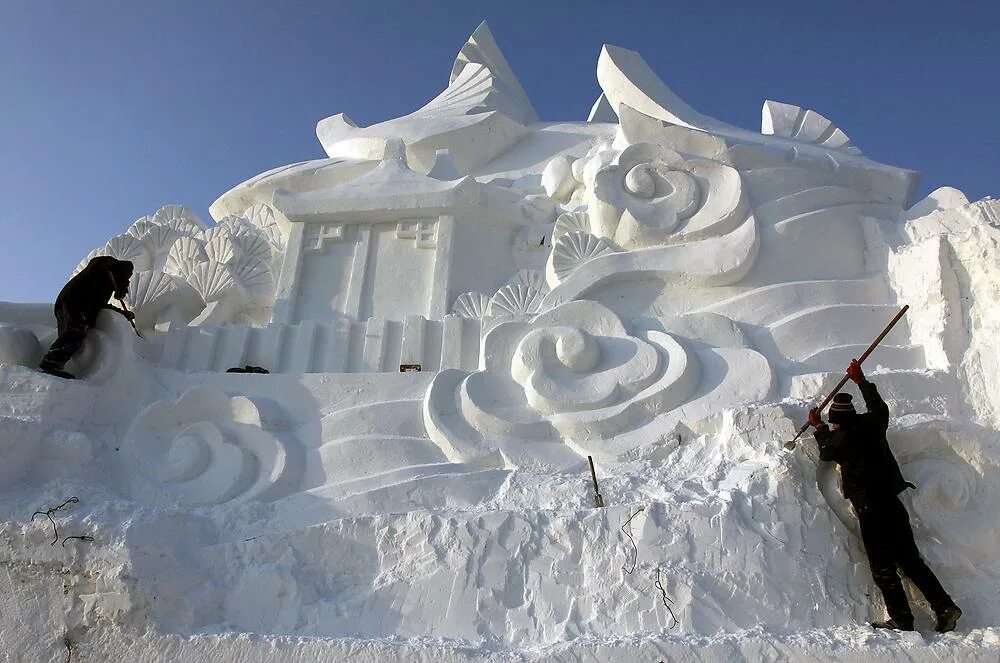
column 456, row 308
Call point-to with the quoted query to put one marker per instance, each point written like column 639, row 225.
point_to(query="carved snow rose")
column 574, row 372
column 649, row 194
column 206, row 448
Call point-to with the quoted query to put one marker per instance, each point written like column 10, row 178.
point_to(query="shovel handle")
column 861, row 359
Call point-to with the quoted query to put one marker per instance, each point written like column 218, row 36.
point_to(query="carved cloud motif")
column 207, row 448
column 573, row 372
column 650, row 195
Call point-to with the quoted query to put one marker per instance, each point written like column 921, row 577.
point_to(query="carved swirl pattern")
column 648, row 195
column 956, row 470
column 573, row 372
column 560, row 369
column 207, row 448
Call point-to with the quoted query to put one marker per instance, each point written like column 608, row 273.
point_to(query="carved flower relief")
column 572, row 373
column 647, row 195
column 559, row 368
column 206, row 448
column 642, row 198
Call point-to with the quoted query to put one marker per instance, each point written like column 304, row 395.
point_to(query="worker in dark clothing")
column 78, row 304
column 871, row 480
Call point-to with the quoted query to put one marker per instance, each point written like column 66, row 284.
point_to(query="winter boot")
column 947, row 619
column 52, row 369
column 893, row 624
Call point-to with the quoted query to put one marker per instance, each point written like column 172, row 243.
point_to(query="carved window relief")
column 423, row 232
column 318, row 234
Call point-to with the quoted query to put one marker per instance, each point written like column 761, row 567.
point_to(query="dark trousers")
column 73, row 327
column 888, row 539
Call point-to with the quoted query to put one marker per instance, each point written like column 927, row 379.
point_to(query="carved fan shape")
column 231, row 224
column 148, row 286
column 531, row 278
column 252, row 244
column 129, row 247
column 223, row 227
column 211, row 280
column 185, row 253
column 571, row 222
column 262, row 217
column 471, row 305
column 574, row 249
column 515, row 299
column 803, row 124
column 83, row 263
column 180, row 218
column 159, row 239
column 219, row 246
column 254, row 275
column 141, row 226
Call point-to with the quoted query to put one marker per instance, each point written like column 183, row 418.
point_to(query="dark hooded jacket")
column 89, row 291
column 868, row 469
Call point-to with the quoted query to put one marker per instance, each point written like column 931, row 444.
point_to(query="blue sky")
column 109, row 110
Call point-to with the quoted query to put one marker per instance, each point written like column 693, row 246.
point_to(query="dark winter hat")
column 842, row 409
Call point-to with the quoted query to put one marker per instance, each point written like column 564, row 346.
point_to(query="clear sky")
column 110, row 109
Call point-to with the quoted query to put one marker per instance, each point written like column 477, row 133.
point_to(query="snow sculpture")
column 456, row 308
column 572, row 373
column 206, row 448
column 643, row 196
column 185, row 272
column 19, row 345
column 483, row 112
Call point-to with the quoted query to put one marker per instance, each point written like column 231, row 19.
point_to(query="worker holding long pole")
column 871, row 480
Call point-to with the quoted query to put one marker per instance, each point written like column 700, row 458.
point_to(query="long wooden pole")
column 843, row 380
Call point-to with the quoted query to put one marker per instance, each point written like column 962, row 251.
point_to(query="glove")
column 814, row 418
column 854, row 372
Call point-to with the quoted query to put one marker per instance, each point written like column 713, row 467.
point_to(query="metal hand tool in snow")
column 892, row 323
column 131, row 320
column 598, row 499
